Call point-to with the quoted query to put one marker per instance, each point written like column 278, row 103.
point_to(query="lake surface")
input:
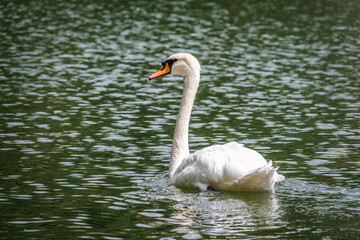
column 86, row 138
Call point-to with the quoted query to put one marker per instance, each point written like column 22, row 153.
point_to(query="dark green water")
column 85, row 137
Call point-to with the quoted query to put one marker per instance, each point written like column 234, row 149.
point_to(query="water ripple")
column 86, row 138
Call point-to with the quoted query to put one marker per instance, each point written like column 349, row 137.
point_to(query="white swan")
column 228, row 167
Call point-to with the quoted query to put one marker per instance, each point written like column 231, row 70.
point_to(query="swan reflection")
column 226, row 213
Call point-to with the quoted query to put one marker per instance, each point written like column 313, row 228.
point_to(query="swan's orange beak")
column 163, row 71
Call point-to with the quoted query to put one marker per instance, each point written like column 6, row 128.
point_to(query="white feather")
column 229, row 167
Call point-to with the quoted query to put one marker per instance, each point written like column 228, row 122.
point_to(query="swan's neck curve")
column 180, row 146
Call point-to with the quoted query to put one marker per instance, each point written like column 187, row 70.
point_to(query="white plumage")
column 228, row 167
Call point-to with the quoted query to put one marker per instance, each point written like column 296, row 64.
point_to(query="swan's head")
column 182, row 64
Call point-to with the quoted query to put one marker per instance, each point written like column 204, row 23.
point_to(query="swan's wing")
column 218, row 165
column 260, row 179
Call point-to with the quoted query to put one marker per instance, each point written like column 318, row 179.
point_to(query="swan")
column 227, row 167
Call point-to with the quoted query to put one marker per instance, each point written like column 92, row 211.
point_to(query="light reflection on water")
column 227, row 215
column 85, row 137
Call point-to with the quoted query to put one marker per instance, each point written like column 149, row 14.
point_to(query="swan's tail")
column 259, row 180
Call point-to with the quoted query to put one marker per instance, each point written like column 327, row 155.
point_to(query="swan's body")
column 229, row 167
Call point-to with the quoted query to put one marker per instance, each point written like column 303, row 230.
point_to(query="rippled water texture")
column 85, row 137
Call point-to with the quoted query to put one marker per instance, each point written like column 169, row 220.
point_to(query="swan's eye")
column 168, row 61
column 171, row 62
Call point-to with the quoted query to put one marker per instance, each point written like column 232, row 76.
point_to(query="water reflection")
column 85, row 138
column 229, row 213
column 202, row 214
column 218, row 214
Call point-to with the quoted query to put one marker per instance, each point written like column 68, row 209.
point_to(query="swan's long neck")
column 180, row 146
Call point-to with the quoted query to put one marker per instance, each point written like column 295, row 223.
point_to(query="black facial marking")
column 163, row 65
column 169, row 61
